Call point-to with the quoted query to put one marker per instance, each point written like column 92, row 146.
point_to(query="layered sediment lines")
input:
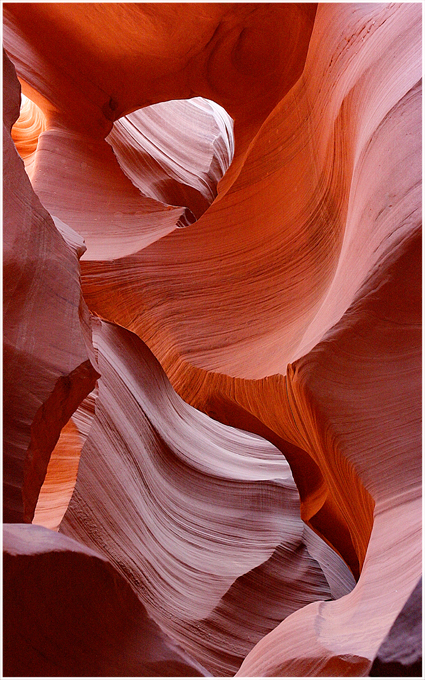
column 184, row 173
column 312, row 640
column 288, row 307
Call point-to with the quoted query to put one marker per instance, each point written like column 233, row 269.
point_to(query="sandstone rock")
column 201, row 519
column 290, row 310
column 175, row 152
column 401, row 652
column 330, row 637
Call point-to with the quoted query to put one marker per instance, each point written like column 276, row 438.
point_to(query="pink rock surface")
column 191, row 509
column 176, row 152
column 326, row 637
column 111, row 214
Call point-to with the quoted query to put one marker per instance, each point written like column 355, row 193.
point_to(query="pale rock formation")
column 187, row 509
column 175, row 152
column 110, row 213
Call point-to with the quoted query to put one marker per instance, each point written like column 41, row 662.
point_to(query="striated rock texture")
column 249, row 459
column 145, row 144
column 315, row 637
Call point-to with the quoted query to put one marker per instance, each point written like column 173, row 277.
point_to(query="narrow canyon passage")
column 212, row 338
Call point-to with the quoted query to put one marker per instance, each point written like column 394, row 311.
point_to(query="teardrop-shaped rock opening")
column 176, row 151
column 26, row 131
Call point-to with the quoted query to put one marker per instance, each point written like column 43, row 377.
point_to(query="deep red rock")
column 49, row 366
column 68, row 613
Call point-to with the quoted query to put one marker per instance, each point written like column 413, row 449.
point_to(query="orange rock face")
column 212, row 330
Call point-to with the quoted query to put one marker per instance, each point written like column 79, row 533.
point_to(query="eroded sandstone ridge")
column 212, row 345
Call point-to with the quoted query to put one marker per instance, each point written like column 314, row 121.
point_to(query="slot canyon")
column 212, row 296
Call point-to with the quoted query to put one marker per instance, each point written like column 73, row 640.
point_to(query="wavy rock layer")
column 253, row 275
column 327, row 638
column 95, row 626
column 266, row 252
column 27, row 129
column 322, row 177
column 196, row 515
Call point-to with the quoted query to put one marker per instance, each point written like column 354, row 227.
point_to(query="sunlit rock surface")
column 61, row 473
column 285, row 139
column 176, row 151
column 26, row 131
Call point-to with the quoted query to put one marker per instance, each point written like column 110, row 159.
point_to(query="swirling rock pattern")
column 26, row 131
column 144, row 143
column 287, row 310
column 190, row 511
column 318, row 633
